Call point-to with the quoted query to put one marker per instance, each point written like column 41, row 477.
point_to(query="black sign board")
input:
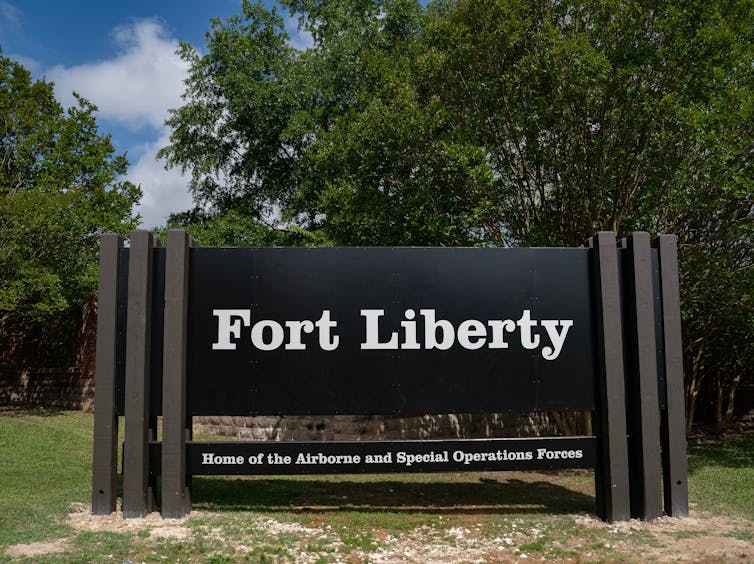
column 389, row 330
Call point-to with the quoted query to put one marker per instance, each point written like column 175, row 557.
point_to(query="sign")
column 374, row 457
column 389, row 330
column 189, row 331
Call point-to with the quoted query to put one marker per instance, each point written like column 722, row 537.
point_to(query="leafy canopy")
column 60, row 188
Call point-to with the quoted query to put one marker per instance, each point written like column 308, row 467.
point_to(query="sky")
column 121, row 57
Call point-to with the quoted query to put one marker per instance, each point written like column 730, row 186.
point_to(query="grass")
column 45, row 465
column 721, row 477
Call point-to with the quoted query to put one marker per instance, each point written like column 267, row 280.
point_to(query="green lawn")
column 45, row 466
column 721, row 477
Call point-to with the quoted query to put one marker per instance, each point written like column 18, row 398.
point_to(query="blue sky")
column 120, row 56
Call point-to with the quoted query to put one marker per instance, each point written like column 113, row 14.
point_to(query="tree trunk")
column 692, row 387
column 717, row 390
column 690, row 408
column 728, row 417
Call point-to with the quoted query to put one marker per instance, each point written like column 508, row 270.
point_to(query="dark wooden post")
column 644, row 419
column 176, row 498
column 105, row 455
column 611, row 473
column 673, row 419
column 138, row 496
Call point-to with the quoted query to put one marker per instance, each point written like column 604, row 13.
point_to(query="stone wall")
column 374, row 427
column 65, row 388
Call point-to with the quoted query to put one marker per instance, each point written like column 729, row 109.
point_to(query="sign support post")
column 138, row 496
column 176, row 498
column 611, row 472
column 104, row 467
column 644, row 410
column 673, row 418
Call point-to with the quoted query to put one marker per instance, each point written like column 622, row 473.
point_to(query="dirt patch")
column 80, row 518
column 37, row 549
column 457, row 538
column 457, row 544
column 696, row 537
column 178, row 533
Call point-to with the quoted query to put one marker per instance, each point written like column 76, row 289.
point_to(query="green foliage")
column 236, row 229
column 255, row 105
column 60, row 188
column 494, row 122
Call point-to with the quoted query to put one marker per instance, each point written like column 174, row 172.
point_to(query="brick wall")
column 65, row 388
column 21, row 381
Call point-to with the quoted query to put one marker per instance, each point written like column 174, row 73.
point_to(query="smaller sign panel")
column 375, row 457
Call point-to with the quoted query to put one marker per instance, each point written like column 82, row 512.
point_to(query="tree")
column 254, row 103
column 235, row 228
column 495, row 122
column 60, row 188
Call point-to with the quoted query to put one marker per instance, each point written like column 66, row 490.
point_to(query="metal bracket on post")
column 644, row 419
column 673, row 418
column 176, row 498
column 105, row 455
column 138, row 496
column 611, row 473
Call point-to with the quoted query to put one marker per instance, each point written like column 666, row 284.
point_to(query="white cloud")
column 10, row 13
column 135, row 88
column 298, row 38
column 164, row 191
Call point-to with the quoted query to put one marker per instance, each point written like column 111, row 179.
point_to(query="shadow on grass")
column 735, row 453
column 483, row 497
